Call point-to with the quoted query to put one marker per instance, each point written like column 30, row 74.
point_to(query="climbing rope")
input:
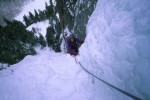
column 120, row 90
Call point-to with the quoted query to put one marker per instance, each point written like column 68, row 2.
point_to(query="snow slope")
column 40, row 27
column 30, row 6
column 46, row 76
column 116, row 49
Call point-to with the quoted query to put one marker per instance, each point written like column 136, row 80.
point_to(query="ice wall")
column 117, row 48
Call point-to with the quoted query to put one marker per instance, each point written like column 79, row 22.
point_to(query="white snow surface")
column 30, row 6
column 117, row 49
column 46, row 76
column 40, row 27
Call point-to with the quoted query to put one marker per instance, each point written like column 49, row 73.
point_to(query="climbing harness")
column 118, row 89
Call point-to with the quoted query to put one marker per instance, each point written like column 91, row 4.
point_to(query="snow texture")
column 117, row 48
column 46, row 76
column 40, row 27
column 29, row 7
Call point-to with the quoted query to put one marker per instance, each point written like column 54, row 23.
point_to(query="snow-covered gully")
column 47, row 76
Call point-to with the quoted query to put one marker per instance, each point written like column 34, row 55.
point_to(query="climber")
column 72, row 45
